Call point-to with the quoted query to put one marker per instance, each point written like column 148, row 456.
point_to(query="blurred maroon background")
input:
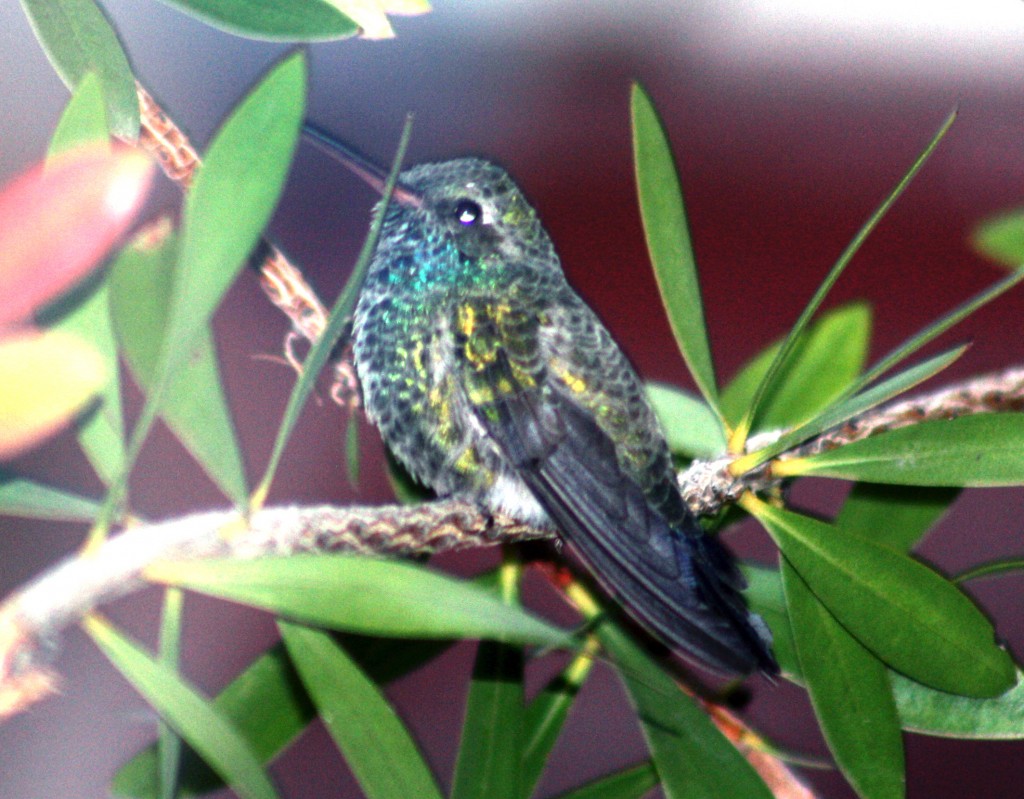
column 790, row 120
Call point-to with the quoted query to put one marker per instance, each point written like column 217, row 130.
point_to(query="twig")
column 997, row 392
column 708, row 486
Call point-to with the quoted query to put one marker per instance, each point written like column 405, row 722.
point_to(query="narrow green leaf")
column 195, row 406
column 352, row 448
column 365, row 595
column 168, row 741
column 266, row 704
column 907, row 614
column 370, row 735
column 991, row 569
column 404, row 485
column 850, row 691
column 1002, row 239
column 692, row 757
column 233, row 196
column 546, row 715
column 273, row 20
column 921, row 709
column 101, row 431
column 857, row 401
column 490, row 748
column 31, row 500
column 981, row 450
column 896, row 516
column 825, row 361
column 269, row 707
column 337, row 322
column 634, row 782
column 937, row 328
column 691, row 427
column 187, row 711
column 925, row 710
column 78, row 39
column 786, row 352
column 230, row 203
column 84, row 120
column 858, row 404
column 489, row 763
column 766, row 597
column 668, row 241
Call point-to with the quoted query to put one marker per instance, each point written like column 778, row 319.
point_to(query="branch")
column 32, row 617
column 708, row 486
column 997, row 392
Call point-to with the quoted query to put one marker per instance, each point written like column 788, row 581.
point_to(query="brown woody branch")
column 66, row 593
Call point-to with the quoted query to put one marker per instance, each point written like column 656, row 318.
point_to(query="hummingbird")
column 490, row 379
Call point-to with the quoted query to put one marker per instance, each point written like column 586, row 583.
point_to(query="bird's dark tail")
column 675, row 579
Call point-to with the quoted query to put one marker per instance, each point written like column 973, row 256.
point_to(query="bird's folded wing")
column 677, row 581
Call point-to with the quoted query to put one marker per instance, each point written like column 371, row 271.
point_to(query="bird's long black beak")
column 361, row 166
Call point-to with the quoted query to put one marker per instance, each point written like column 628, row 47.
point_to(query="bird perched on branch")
column 489, row 378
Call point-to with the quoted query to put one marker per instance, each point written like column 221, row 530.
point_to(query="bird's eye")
column 468, row 213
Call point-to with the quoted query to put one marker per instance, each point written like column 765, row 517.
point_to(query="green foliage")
column 895, row 516
column 269, row 707
column 545, row 716
column 983, row 450
column 850, row 692
column 668, row 241
column 185, row 709
column 79, row 40
column 274, row 20
column 848, row 408
column 195, row 407
column 224, row 215
column 169, row 743
column 31, row 500
column 907, row 614
column 1002, row 239
column 101, row 433
column 690, row 754
column 826, row 360
column 691, row 428
column 788, row 349
column 347, row 592
column 925, row 710
column 489, row 763
column 631, row 783
column 881, row 642
column 337, row 323
column 362, row 723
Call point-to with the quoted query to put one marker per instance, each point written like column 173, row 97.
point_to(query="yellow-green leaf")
column 46, row 378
